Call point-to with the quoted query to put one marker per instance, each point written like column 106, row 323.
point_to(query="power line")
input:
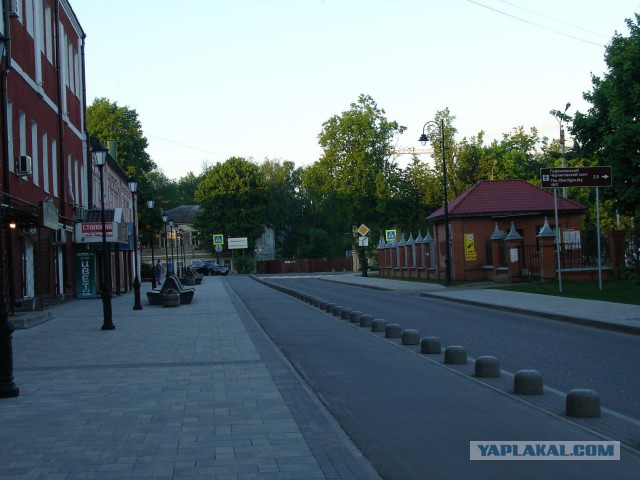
column 535, row 24
column 187, row 146
column 554, row 19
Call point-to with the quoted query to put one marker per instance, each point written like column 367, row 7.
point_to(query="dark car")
column 209, row 267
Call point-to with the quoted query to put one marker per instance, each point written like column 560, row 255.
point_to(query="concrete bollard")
column 487, row 367
column 378, row 325
column 322, row 304
column 355, row 315
column 329, row 307
column 393, row 330
column 583, row 403
column 337, row 310
column 346, row 314
column 528, row 382
column 455, row 355
column 410, row 337
column 430, row 345
column 366, row 320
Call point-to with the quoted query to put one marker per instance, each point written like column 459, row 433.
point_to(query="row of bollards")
column 580, row 403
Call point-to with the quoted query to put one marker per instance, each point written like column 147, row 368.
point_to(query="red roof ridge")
column 515, row 196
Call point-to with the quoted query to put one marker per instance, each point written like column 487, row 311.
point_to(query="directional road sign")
column 576, row 177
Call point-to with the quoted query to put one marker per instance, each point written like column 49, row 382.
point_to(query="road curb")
column 554, row 316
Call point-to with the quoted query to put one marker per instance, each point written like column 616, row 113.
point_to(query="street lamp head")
column 424, row 139
column 99, row 155
column 133, row 185
column 165, row 217
column 151, row 203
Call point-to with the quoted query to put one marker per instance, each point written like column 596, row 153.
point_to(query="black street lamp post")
column 424, row 139
column 165, row 219
column 8, row 388
column 173, row 262
column 181, row 249
column 133, row 187
column 150, row 205
column 100, row 159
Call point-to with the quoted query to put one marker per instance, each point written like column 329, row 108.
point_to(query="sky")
column 211, row 79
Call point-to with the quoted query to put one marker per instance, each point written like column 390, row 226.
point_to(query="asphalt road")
column 567, row 355
column 414, row 419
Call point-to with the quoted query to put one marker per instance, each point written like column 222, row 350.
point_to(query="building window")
column 54, row 165
column 195, row 239
column 48, row 33
column 45, row 162
column 29, row 16
column 34, row 153
column 12, row 167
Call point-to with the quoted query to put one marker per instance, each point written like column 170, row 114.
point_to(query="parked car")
column 209, row 267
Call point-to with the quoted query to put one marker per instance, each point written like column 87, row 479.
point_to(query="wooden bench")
column 186, row 294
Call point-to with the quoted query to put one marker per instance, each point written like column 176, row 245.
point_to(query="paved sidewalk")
column 616, row 316
column 192, row 392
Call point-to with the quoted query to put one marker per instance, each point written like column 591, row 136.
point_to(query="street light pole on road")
column 424, row 138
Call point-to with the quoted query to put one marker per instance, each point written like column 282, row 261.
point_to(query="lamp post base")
column 8, row 389
column 106, row 310
column 136, row 294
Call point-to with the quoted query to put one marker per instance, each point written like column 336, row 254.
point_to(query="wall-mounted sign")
column 49, row 214
column 470, row 254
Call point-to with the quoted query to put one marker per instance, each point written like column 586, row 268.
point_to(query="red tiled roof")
column 505, row 197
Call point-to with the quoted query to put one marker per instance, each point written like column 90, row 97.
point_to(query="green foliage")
column 285, row 203
column 354, row 178
column 242, row 264
column 609, row 132
column 232, row 198
column 108, row 121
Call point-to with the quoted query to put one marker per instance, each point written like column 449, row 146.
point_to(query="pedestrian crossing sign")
column 218, row 239
column 391, row 235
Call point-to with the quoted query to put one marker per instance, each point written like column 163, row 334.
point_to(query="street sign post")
column 575, row 177
column 555, row 178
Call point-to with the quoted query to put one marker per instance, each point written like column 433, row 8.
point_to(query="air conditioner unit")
column 27, row 231
column 12, row 7
column 23, row 166
column 78, row 214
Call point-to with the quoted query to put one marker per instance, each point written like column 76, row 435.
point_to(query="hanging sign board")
column 575, row 177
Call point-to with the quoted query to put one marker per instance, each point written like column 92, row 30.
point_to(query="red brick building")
column 479, row 216
column 47, row 179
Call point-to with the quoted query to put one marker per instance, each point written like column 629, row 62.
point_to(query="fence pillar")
column 496, row 240
column 617, row 249
column 546, row 240
column 514, row 245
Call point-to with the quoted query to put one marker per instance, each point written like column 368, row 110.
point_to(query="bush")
column 243, row 264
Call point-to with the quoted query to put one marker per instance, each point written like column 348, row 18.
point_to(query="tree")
column 609, row 132
column 285, row 203
column 108, row 121
column 355, row 173
column 232, row 199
